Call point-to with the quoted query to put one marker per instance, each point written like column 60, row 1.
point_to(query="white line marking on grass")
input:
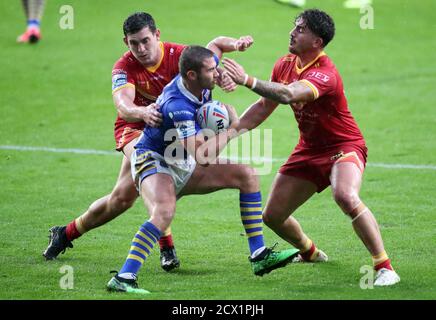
column 255, row 160
column 58, row 150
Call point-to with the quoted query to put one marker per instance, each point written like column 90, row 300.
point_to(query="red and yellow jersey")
column 326, row 121
column 148, row 82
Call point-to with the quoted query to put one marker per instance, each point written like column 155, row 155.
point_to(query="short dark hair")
column 138, row 20
column 192, row 59
column 320, row 23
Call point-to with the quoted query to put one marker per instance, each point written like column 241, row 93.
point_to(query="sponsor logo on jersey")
column 319, row 75
column 118, row 80
column 185, row 129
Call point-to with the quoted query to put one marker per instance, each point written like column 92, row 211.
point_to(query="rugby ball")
column 213, row 115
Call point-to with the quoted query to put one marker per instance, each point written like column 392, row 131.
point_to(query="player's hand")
column 233, row 116
column 151, row 116
column 234, row 70
column 243, row 43
column 225, row 82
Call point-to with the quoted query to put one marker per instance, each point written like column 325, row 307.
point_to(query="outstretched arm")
column 223, row 44
column 298, row 91
column 255, row 114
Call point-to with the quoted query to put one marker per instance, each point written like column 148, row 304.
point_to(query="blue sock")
column 33, row 23
column 142, row 245
column 251, row 216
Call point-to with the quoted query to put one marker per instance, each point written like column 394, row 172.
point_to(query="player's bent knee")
column 249, row 177
column 269, row 219
column 164, row 214
column 347, row 200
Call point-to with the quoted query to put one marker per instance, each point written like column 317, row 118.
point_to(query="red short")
column 316, row 165
column 124, row 135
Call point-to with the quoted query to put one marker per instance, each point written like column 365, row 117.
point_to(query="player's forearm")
column 221, row 45
column 209, row 151
column 130, row 112
column 252, row 117
column 271, row 90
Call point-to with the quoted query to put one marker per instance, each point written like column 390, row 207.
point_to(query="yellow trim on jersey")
column 135, row 257
column 157, row 65
column 128, row 84
column 300, row 70
column 311, row 86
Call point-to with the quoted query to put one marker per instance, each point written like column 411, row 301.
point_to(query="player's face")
column 209, row 74
column 301, row 38
column 144, row 45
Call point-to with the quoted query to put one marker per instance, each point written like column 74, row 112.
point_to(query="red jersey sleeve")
column 322, row 81
column 121, row 75
column 275, row 71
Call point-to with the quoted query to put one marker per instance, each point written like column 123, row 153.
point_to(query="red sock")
column 308, row 254
column 385, row 264
column 72, row 232
column 166, row 241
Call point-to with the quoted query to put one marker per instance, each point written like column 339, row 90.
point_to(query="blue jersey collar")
column 204, row 96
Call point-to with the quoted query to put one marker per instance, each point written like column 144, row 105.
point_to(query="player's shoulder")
column 175, row 45
column 326, row 63
column 126, row 61
column 286, row 59
column 172, row 48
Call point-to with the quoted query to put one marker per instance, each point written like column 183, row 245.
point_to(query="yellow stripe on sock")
column 251, row 209
column 135, row 257
column 307, row 245
column 140, row 250
column 254, row 234
column 251, row 226
column 379, row 258
column 143, row 243
column 248, row 202
column 244, row 218
column 142, row 234
column 167, row 232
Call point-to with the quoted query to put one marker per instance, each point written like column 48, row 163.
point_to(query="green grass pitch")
column 57, row 94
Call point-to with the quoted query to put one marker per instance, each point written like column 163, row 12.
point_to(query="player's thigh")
column 346, row 176
column 158, row 193
column 206, row 179
column 286, row 195
column 346, row 180
column 125, row 189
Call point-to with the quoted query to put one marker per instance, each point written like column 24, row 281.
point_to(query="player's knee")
column 164, row 213
column 346, row 199
column 270, row 219
column 249, row 179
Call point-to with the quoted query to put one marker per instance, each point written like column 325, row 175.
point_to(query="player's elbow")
column 286, row 95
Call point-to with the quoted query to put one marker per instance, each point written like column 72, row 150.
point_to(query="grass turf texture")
column 57, row 94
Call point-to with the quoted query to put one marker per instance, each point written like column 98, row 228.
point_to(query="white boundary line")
column 256, row 159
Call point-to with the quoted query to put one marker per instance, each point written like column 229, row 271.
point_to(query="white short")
column 145, row 163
